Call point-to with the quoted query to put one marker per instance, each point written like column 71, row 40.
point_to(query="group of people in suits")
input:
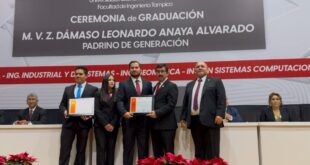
column 204, row 109
column 112, row 108
column 203, row 112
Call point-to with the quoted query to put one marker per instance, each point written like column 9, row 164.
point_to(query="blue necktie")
column 78, row 93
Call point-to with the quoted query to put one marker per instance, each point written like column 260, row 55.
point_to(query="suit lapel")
column 191, row 86
column 26, row 114
column 161, row 88
column 143, row 86
column 72, row 91
column 84, row 91
column 35, row 114
column 271, row 115
column 132, row 86
column 205, row 85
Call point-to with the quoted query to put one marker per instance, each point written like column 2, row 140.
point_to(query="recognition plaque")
column 141, row 104
column 81, row 106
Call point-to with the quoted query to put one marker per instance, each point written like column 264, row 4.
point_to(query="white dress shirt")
column 161, row 84
column 140, row 83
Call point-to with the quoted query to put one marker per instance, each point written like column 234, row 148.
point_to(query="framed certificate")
column 141, row 104
column 81, row 106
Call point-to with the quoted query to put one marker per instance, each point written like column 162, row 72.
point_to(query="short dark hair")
column 134, row 61
column 162, row 66
column 85, row 70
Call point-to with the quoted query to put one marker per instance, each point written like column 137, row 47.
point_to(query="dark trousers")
column 67, row 137
column 162, row 142
column 105, row 145
column 206, row 139
column 137, row 130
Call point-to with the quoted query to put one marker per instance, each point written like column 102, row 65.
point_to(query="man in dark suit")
column 75, row 125
column 133, row 125
column 164, row 122
column 33, row 114
column 203, row 112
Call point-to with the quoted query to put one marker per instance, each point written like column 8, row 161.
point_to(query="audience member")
column 275, row 111
column 33, row 114
column 232, row 114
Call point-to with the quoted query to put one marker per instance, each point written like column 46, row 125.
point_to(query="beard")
column 134, row 74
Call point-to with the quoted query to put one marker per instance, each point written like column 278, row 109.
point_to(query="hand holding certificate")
column 141, row 104
column 81, row 106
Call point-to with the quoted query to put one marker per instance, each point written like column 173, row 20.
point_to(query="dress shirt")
column 140, row 82
column 33, row 109
column 161, row 84
column 76, row 89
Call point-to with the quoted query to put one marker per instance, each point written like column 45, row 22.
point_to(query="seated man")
column 33, row 114
column 232, row 114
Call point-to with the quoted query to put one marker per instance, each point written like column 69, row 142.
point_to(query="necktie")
column 156, row 88
column 30, row 113
column 78, row 93
column 195, row 107
column 138, row 88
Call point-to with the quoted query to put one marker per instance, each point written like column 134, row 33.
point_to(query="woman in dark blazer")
column 106, row 121
column 275, row 111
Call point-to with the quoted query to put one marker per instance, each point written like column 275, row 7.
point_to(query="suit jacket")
column 234, row 113
column 89, row 91
column 165, row 101
column 125, row 91
column 39, row 115
column 212, row 102
column 105, row 112
column 267, row 115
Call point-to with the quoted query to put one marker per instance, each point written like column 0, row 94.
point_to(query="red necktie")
column 156, row 88
column 195, row 107
column 138, row 89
